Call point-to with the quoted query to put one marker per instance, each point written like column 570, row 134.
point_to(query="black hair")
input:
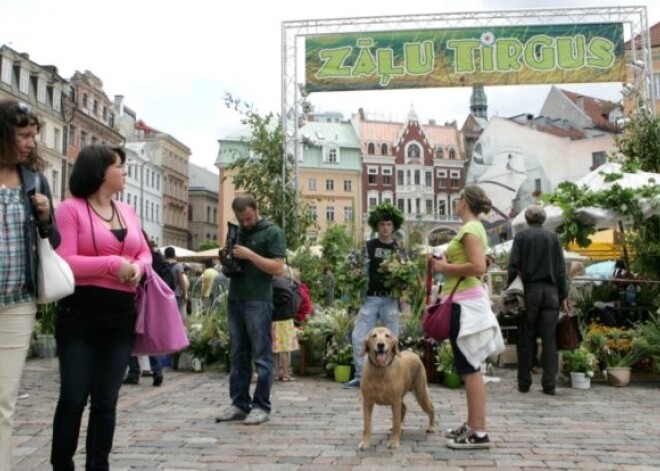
column 169, row 252
column 89, row 170
column 14, row 114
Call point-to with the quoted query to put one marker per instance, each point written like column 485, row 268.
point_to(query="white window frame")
column 330, row 213
column 348, row 185
column 372, row 170
column 24, row 81
column 441, row 173
column 331, row 155
column 7, row 67
column 348, row 214
column 386, row 170
column 455, row 174
column 312, row 184
column 41, row 90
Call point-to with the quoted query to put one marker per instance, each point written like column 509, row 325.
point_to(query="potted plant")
column 616, row 350
column 339, row 360
column 444, row 361
column 581, row 363
column 45, row 330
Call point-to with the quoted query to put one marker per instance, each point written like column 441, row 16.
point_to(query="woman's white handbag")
column 54, row 276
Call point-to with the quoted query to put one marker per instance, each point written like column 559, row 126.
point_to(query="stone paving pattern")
column 316, row 425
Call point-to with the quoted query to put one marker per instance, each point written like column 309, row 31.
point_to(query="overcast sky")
column 173, row 61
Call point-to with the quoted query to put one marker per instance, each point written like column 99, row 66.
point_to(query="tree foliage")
column 261, row 173
column 640, row 150
column 208, row 244
column 336, row 243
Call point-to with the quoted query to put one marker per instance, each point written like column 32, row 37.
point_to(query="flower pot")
column 451, row 380
column 580, row 380
column 342, row 373
column 46, row 346
column 618, row 376
column 198, row 364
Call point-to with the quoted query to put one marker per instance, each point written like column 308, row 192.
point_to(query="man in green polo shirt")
column 260, row 252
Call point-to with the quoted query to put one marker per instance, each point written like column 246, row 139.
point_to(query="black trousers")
column 539, row 319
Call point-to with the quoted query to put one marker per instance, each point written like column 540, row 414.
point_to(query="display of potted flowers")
column 581, row 363
column 444, row 363
column 401, row 276
column 339, row 360
column 616, row 349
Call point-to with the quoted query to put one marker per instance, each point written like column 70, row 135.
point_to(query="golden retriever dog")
column 387, row 376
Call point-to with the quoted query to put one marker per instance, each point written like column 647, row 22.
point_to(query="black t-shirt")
column 378, row 251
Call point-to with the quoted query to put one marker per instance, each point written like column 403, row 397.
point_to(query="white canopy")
column 505, row 248
column 599, row 217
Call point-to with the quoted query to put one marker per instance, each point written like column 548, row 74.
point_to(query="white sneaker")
column 257, row 416
column 231, row 413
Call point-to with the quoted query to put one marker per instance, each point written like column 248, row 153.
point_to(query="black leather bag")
column 568, row 333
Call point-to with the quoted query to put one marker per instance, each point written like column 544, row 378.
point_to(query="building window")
column 428, row 179
column 348, row 214
column 399, row 177
column 41, row 91
column 387, row 179
column 57, row 100
column 348, row 185
column 429, row 206
column 413, row 151
column 332, row 156
column 383, row 149
column 452, row 154
column 598, row 159
column 83, row 138
column 312, row 184
column 6, row 71
column 455, row 182
column 312, row 212
column 43, row 132
column 84, row 103
column 418, row 176
column 439, row 154
column 442, row 208
column 24, row 82
column 401, row 205
column 372, row 175
column 56, row 183
column 330, row 185
column 330, row 213
column 371, row 148
column 537, row 186
column 373, row 202
column 57, row 139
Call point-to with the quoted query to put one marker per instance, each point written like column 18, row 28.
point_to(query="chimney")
column 530, row 120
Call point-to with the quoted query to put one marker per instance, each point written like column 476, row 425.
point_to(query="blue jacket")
column 49, row 229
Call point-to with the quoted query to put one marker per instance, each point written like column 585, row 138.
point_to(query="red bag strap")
column 451, row 295
column 429, row 279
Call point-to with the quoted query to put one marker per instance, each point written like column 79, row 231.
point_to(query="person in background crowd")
column 537, row 255
column 95, row 327
column 285, row 339
column 475, row 333
column 208, row 277
column 328, row 281
column 260, row 252
column 23, row 213
column 379, row 304
column 181, row 289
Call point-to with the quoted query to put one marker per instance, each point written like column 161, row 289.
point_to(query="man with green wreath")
column 378, row 305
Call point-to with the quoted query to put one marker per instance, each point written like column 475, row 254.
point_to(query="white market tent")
column 601, row 218
column 505, row 248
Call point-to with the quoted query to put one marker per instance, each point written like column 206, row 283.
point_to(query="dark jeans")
column 539, row 320
column 134, row 367
column 94, row 331
column 251, row 341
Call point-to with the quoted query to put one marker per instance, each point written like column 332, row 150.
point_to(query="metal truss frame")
column 634, row 19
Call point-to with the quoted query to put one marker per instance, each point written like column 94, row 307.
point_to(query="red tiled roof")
column 654, row 37
column 596, row 109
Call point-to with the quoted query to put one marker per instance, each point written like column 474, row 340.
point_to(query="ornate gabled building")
column 417, row 167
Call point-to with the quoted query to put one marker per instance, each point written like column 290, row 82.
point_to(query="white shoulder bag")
column 54, row 276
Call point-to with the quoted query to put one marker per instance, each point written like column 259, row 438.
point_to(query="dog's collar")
column 381, row 366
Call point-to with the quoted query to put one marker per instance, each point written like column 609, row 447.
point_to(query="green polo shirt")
column 252, row 284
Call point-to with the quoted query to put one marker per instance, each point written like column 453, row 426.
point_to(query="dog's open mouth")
column 381, row 357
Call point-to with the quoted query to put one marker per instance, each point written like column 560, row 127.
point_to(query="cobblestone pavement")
column 316, row 425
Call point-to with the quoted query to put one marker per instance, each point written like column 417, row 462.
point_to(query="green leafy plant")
column 46, row 319
column 402, row 276
column 444, row 358
column 580, row 360
column 338, row 355
column 351, row 277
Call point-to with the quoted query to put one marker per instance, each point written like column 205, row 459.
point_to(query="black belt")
column 380, row 294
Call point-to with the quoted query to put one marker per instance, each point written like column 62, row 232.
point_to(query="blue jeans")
column 374, row 308
column 251, row 342
column 134, row 367
column 94, row 341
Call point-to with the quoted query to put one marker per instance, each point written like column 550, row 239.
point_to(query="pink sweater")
column 98, row 264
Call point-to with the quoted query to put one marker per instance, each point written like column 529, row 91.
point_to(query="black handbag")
column 568, row 333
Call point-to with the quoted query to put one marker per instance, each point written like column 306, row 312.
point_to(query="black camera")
column 229, row 263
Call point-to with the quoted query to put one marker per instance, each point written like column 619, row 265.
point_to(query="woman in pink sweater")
column 102, row 241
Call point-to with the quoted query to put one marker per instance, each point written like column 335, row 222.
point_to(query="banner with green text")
column 507, row 55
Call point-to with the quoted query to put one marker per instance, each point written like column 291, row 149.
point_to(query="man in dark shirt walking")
column 537, row 256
